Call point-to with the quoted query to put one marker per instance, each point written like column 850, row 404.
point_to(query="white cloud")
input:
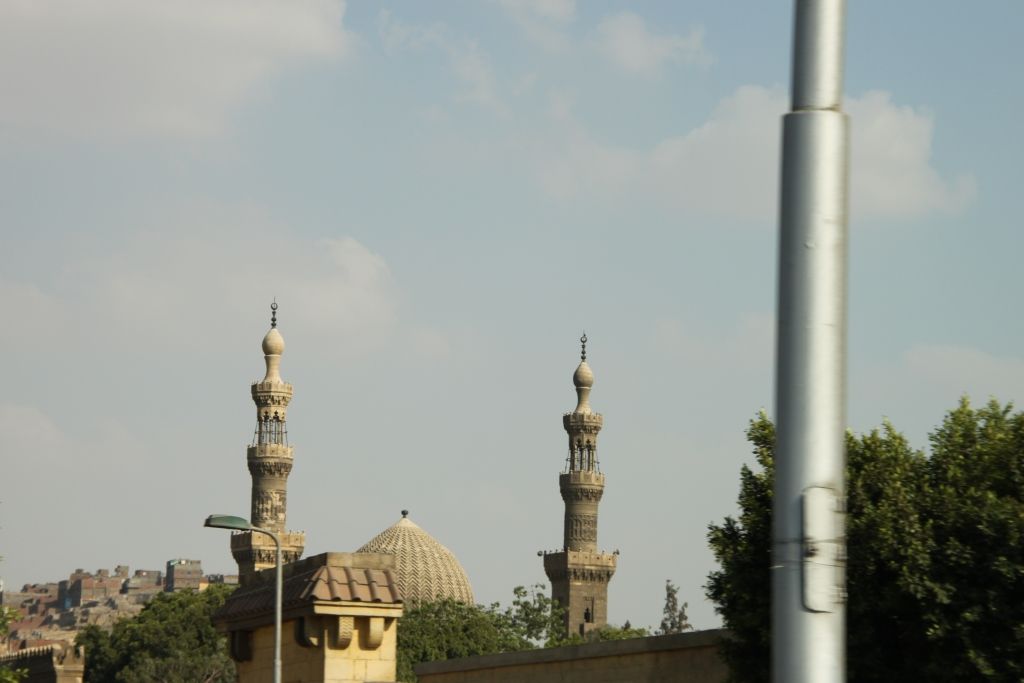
column 891, row 161
column 551, row 10
column 543, row 21
column 470, row 65
column 627, row 42
column 146, row 67
column 578, row 164
column 729, row 164
column 199, row 269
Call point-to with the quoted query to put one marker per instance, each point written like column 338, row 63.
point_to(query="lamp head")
column 228, row 522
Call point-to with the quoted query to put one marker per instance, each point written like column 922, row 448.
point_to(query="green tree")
column 446, row 629
column 9, row 675
column 610, row 632
column 935, row 572
column 674, row 619
column 172, row 640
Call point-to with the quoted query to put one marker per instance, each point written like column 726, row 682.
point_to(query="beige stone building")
column 341, row 610
column 269, row 458
column 579, row 572
column 339, row 621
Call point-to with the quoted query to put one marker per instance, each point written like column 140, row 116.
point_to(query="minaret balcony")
column 589, row 423
column 581, row 478
column 269, row 450
column 577, row 564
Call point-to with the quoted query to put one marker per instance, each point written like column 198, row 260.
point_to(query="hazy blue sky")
column 442, row 196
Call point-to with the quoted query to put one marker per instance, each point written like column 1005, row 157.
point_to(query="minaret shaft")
column 269, row 458
column 579, row 574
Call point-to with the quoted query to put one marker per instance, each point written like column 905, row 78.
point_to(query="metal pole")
column 808, row 530
column 278, row 590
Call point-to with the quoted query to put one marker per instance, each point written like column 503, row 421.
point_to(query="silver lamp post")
column 808, row 534
column 242, row 524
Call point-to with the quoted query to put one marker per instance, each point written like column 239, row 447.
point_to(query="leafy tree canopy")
column 172, row 640
column 446, row 629
column 674, row 619
column 935, row 572
column 7, row 674
column 435, row 631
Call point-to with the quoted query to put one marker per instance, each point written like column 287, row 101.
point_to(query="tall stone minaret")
column 270, row 463
column 579, row 573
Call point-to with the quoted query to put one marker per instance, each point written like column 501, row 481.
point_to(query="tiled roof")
column 312, row 581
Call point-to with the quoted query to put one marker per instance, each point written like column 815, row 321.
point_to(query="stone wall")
column 49, row 664
column 680, row 658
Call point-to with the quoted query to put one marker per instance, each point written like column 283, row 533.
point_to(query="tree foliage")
column 447, row 629
column 172, row 640
column 935, row 572
column 674, row 619
column 8, row 674
column 610, row 632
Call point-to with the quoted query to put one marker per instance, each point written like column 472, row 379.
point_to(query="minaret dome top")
column 273, row 343
column 583, row 379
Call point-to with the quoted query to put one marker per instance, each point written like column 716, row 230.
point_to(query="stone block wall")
column 677, row 658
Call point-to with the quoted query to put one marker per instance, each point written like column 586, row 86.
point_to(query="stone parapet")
column 586, row 423
column 58, row 663
column 678, row 658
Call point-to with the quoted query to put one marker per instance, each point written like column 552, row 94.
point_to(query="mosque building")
column 424, row 569
column 342, row 610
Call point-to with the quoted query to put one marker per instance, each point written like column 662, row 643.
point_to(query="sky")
column 442, row 197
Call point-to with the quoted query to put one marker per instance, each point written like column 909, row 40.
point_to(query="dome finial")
column 583, row 379
column 405, row 513
column 273, row 347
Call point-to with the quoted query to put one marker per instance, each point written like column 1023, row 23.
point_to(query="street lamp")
column 242, row 524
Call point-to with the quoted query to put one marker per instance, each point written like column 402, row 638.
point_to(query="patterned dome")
column 426, row 570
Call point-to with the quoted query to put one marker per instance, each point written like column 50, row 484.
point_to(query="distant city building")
column 52, row 613
column 145, row 582
column 579, row 573
column 183, row 575
column 225, row 579
column 270, row 462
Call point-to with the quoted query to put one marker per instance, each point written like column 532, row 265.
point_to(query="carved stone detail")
column 342, row 630
column 374, row 632
column 590, row 494
column 259, row 467
column 583, row 527
column 268, row 508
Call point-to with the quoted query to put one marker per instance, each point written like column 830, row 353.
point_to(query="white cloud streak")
column 729, row 164
column 626, row 42
column 113, row 68
column 470, row 64
column 200, row 268
column 542, row 21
